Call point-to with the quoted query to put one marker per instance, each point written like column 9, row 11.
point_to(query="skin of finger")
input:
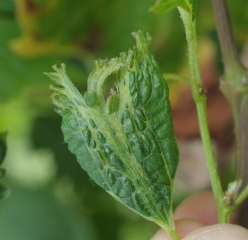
column 218, row 232
column 183, row 227
column 200, row 207
column 186, row 226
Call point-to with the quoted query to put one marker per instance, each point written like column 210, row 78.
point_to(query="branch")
column 234, row 86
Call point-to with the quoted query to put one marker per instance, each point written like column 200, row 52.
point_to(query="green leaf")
column 2, row 173
column 4, row 191
column 3, row 146
column 193, row 8
column 163, row 6
column 126, row 144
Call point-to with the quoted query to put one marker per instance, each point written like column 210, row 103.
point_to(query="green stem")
column 242, row 196
column 200, row 100
column 237, row 202
column 211, row 162
column 173, row 234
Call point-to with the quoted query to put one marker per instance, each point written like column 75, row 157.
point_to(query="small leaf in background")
column 4, row 191
column 40, row 215
column 3, row 146
column 162, row 6
column 127, row 144
column 2, row 172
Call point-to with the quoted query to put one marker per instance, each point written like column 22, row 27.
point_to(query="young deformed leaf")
column 126, row 143
column 162, row 6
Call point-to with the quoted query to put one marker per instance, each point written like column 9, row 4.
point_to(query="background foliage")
column 52, row 198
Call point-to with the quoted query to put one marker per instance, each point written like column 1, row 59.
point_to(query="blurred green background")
column 52, row 197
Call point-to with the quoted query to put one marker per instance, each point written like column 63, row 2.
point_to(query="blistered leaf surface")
column 125, row 143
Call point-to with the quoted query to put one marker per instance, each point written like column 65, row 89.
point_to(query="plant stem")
column 228, row 46
column 200, row 100
column 174, row 235
column 242, row 196
column 211, row 162
column 237, row 202
column 170, row 231
column 234, row 86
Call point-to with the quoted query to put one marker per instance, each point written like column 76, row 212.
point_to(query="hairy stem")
column 200, row 100
column 234, row 86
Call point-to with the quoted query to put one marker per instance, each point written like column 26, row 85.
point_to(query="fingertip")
column 185, row 226
column 219, row 232
column 200, row 207
column 161, row 235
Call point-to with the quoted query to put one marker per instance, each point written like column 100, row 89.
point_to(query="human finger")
column 200, row 207
column 218, row 232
